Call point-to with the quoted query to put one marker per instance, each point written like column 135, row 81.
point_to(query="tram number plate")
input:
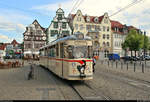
column 80, row 43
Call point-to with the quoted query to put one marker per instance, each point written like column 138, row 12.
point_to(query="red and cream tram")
column 69, row 57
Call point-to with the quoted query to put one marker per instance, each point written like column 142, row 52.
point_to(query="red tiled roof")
column 132, row 27
column 118, row 32
column 14, row 42
column 116, row 24
column 2, row 47
column 91, row 18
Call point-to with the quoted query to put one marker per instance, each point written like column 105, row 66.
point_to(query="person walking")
column 30, row 75
column 94, row 63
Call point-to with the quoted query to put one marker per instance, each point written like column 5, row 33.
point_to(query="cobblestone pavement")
column 15, row 86
column 138, row 74
column 120, row 85
column 109, row 82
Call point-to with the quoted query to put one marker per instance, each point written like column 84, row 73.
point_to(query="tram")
column 69, row 57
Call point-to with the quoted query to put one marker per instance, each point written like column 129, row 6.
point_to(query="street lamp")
column 32, row 30
column 144, row 43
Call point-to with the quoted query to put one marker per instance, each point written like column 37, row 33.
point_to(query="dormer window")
column 96, row 19
column 106, row 20
column 59, row 16
column 88, row 19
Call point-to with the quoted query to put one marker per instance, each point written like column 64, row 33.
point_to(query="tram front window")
column 79, row 52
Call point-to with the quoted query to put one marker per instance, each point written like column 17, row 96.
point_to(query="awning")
column 30, row 52
column 27, row 52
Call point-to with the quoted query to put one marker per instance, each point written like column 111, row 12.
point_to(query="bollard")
column 112, row 64
column 116, row 64
column 108, row 63
column 121, row 65
column 127, row 66
column 134, row 67
column 142, row 67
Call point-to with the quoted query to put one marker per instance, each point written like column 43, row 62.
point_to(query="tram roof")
column 71, row 37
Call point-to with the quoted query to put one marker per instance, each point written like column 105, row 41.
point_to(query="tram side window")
column 61, row 50
column 89, row 51
column 57, row 50
column 42, row 53
column 52, row 52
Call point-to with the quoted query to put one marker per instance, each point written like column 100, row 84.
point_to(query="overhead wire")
column 20, row 9
column 74, row 6
column 126, row 7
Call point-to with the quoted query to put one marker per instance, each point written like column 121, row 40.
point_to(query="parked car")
column 113, row 56
column 142, row 58
column 133, row 58
column 147, row 57
column 126, row 58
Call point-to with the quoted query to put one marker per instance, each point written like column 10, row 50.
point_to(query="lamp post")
column 144, row 43
column 144, row 46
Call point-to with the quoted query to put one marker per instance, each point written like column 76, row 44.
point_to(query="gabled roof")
column 14, row 42
column 2, row 47
column 116, row 24
column 39, row 24
column 132, row 27
column 91, row 18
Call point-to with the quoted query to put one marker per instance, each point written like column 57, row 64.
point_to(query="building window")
column 103, row 36
column 108, row 29
column 96, row 36
column 106, row 20
column 76, row 26
column 59, row 16
column 107, row 36
column 103, row 43
column 64, row 25
column 79, row 19
column 81, row 27
column 88, row 27
column 55, row 24
column 107, row 43
column 96, row 28
column 103, row 28
column 39, row 32
column 54, row 32
column 65, row 33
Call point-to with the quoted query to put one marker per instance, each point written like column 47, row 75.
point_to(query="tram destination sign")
column 80, row 43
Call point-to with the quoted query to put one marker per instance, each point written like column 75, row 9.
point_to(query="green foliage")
column 135, row 41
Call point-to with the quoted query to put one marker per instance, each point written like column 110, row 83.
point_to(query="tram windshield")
column 80, row 52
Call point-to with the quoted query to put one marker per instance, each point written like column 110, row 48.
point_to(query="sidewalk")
column 129, row 73
column 15, row 86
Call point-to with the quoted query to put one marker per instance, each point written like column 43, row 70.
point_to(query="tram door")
column 62, row 55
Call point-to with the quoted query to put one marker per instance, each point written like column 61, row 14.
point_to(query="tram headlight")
column 70, row 48
column 82, row 70
column 73, row 64
column 80, row 36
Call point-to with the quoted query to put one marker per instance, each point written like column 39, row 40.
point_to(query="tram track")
column 88, row 92
column 83, row 90
column 137, row 83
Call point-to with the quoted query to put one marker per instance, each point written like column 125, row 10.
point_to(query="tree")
column 124, row 47
column 134, row 41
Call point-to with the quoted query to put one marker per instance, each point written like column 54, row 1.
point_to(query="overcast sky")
column 15, row 15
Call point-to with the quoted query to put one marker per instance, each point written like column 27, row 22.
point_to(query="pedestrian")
column 30, row 75
column 94, row 63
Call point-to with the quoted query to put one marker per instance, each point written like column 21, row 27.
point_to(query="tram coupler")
column 82, row 75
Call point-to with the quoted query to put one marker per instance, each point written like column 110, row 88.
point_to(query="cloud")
column 6, row 25
column 46, row 9
column 137, row 15
column 4, row 38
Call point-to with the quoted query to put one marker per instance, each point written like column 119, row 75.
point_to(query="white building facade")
column 59, row 27
column 119, row 33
